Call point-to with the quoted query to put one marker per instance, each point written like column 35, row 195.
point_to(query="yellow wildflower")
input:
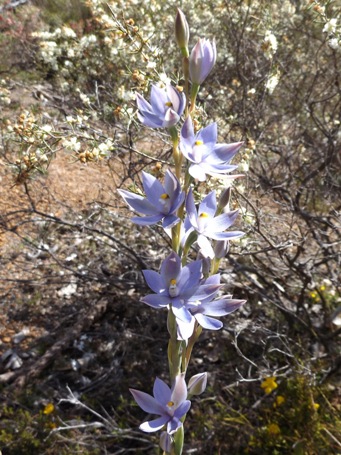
column 273, row 429
column 316, row 406
column 48, row 409
column 269, row 384
column 279, row 400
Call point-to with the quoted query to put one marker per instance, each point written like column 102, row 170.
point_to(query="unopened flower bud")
column 197, row 384
column 224, row 199
column 221, row 248
column 166, row 442
column 202, row 60
column 206, row 264
column 182, row 32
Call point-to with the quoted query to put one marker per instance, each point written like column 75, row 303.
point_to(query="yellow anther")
column 198, row 143
column 164, row 196
column 203, row 215
column 170, row 403
column 173, row 282
column 169, row 104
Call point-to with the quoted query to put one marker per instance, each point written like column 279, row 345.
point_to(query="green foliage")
column 23, row 432
column 296, row 419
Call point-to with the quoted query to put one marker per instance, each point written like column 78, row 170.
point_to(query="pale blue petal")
column 177, row 200
column 171, row 185
column 146, row 220
column 169, row 221
column 151, row 120
column 229, row 235
column 192, row 214
column 208, row 59
column 153, row 189
column 154, row 425
column 166, row 442
column 177, row 99
column 182, row 409
column 203, row 292
column 208, row 135
column 197, row 172
column 213, row 279
column 138, row 203
column 170, row 268
column 179, row 390
column 208, row 323
column 225, row 152
column 187, row 131
column 158, row 99
column 142, row 104
column 147, row 402
column 205, row 246
column 221, row 307
column 161, row 392
column 185, row 330
column 173, row 425
column 211, row 168
column 222, row 222
column 154, row 281
column 190, row 276
column 181, row 312
column 171, row 118
column 208, row 205
column 156, row 301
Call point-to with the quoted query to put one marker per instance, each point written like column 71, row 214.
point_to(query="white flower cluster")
column 330, row 26
column 103, row 150
column 272, row 82
column 72, row 144
column 269, row 45
column 334, row 39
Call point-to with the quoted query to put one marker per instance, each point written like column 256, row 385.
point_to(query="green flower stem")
column 179, row 440
column 189, row 242
column 185, row 68
column 188, row 180
column 215, row 266
column 194, row 93
column 177, row 156
column 176, row 229
column 191, row 343
column 174, row 347
column 176, row 238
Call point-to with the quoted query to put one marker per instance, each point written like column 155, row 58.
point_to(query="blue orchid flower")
column 204, row 154
column 165, row 108
column 206, row 224
column 161, row 201
column 170, row 404
column 191, row 297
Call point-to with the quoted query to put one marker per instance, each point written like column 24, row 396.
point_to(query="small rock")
column 14, row 362
column 336, row 317
column 19, row 337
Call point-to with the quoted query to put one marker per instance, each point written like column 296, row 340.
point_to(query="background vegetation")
column 73, row 335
